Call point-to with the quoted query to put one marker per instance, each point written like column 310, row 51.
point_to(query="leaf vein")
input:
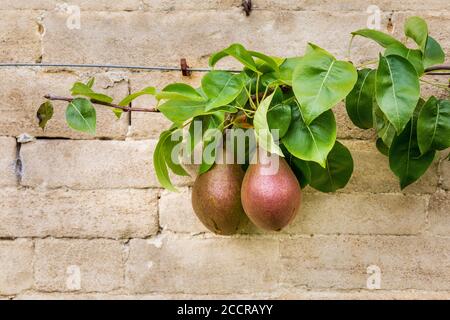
column 359, row 95
column 393, row 91
column 324, row 80
column 82, row 117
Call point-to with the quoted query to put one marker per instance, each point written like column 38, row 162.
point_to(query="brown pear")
column 216, row 199
column 271, row 198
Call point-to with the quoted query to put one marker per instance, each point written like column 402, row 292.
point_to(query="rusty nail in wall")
column 247, row 5
column 185, row 68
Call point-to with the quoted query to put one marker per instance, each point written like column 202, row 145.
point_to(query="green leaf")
column 200, row 125
column 279, row 118
column 278, row 97
column 287, row 69
column 320, row 82
column 383, row 39
column 283, row 75
column 241, row 100
column 221, row 88
column 172, row 142
column 311, row 142
column 300, row 168
column 385, row 129
column 205, row 166
column 359, row 101
column 210, row 145
column 413, row 56
column 81, row 116
column 416, row 28
column 261, row 125
column 178, row 111
column 179, row 91
column 44, row 114
column 311, row 48
column 127, row 100
column 238, row 52
column 382, row 147
column 339, row 169
column 90, row 82
column 405, row 159
column 279, row 61
column 117, row 112
column 80, row 89
column 268, row 61
column 418, row 108
column 397, row 89
column 433, row 53
column 433, row 125
column 302, row 171
column 195, row 135
column 159, row 162
column 215, row 121
column 270, row 79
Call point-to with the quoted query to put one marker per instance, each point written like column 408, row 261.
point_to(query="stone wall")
column 84, row 217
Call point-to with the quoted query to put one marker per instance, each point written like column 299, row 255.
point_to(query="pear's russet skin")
column 271, row 201
column 216, row 199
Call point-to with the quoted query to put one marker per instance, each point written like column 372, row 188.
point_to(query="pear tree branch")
column 110, row 105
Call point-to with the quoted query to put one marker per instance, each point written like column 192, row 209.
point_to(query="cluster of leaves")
column 410, row 130
column 80, row 112
column 295, row 96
